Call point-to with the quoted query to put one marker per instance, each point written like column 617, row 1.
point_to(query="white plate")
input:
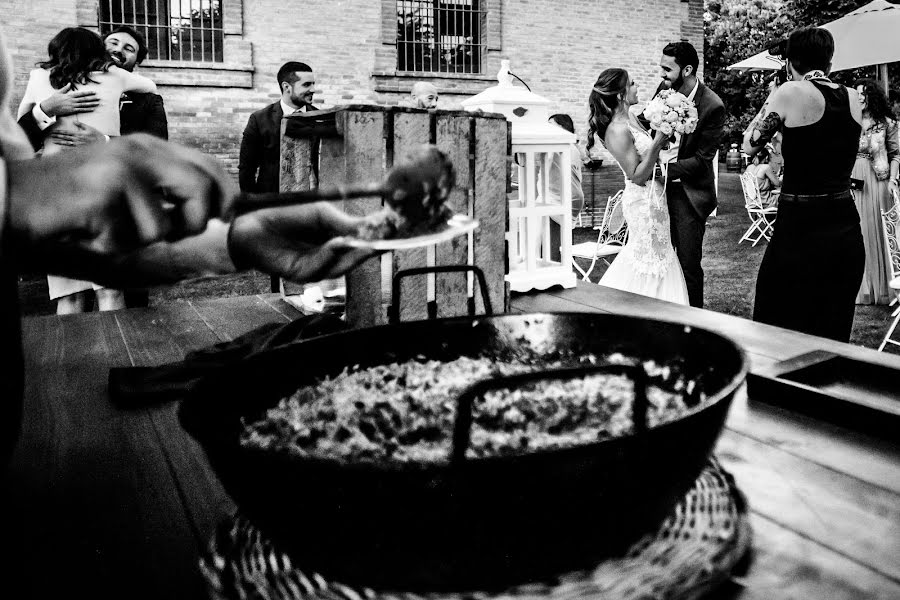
column 455, row 226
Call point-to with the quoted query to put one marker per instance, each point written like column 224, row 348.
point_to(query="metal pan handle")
column 462, row 427
column 394, row 308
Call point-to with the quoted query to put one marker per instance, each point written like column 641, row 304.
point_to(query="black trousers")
column 812, row 269
column 687, row 228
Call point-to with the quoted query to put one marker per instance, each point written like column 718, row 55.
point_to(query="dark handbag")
column 856, row 185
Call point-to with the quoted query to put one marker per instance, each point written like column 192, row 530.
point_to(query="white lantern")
column 536, row 146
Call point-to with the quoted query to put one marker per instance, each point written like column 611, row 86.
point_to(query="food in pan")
column 405, row 412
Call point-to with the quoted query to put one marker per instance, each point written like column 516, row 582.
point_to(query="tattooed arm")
column 762, row 133
column 769, row 121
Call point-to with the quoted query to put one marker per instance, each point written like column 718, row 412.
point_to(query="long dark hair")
column 876, row 101
column 74, row 52
column 604, row 100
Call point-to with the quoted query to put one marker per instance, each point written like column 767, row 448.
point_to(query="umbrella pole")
column 883, row 77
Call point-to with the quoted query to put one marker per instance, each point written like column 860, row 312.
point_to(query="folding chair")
column 890, row 224
column 715, row 212
column 613, row 234
column 762, row 218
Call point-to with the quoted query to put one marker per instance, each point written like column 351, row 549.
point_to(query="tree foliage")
column 734, row 30
column 737, row 29
column 819, row 12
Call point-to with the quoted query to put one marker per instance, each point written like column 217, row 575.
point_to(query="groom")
column 691, row 190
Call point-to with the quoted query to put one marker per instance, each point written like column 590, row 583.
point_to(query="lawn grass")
column 730, row 269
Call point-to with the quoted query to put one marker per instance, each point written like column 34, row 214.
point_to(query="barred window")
column 182, row 30
column 436, row 36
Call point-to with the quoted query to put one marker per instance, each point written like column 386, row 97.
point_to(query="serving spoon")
column 416, row 187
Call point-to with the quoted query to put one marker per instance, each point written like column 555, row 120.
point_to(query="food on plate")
column 415, row 194
column 404, row 412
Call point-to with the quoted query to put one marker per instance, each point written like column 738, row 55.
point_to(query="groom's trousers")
column 687, row 228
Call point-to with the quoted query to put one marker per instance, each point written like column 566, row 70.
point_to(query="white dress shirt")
column 289, row 110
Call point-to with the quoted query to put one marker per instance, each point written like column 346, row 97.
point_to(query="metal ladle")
column 416, row 187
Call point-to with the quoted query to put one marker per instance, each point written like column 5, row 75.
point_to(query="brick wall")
column 28, row 27
column 559, row 48
column 583, row 37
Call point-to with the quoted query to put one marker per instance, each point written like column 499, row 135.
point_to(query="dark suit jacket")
column 143, row 113
column 258, row 165
column 694, row 165
column 139, row 113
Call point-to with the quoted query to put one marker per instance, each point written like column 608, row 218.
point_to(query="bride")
column 647, row 264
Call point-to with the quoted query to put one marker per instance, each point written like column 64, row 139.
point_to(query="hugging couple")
column 666, row 214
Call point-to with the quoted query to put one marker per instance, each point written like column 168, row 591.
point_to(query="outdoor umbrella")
column 758, row 62
column 863, row 37
column 866, row 36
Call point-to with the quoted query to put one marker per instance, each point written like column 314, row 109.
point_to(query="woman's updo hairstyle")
column 604, row 100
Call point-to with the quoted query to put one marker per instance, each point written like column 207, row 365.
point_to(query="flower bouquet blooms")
column 671, row 112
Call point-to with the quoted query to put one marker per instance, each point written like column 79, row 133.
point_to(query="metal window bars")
column 435, row 36
column 177, row 30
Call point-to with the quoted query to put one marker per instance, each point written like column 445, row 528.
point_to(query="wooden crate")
column 358, row 144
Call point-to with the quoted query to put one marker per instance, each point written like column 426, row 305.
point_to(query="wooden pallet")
column 358, row 144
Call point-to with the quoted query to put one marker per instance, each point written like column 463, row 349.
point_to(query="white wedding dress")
column 647, row 264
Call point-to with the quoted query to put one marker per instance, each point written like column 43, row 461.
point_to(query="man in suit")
column 260, row 147
column 138, row 113
column 258, row 164
column 691, row 190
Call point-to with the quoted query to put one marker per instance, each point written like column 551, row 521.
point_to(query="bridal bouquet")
column 671, row 112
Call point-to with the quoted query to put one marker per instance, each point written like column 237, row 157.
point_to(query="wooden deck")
column 114, row 503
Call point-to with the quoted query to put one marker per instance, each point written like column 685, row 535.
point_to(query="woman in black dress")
column 814, row 263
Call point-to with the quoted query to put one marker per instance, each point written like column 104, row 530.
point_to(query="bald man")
column 424, row 95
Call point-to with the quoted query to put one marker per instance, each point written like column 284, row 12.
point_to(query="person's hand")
column 296, row 242
column 112, row 198
column 662, row 141
column 894, row 189
column 80, row 136
column 65, row 101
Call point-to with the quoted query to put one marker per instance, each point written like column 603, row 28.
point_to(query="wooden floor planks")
column 847, row 515
column 133, row 499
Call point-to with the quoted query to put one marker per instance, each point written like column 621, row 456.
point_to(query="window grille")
column 182, row 30
column 435, row 36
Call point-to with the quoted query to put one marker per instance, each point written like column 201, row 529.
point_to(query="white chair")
column 613, row 234
column 890, row 225
column 762, row 218
column 715, row 212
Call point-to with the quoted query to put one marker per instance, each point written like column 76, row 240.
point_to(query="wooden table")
column 119, row 504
